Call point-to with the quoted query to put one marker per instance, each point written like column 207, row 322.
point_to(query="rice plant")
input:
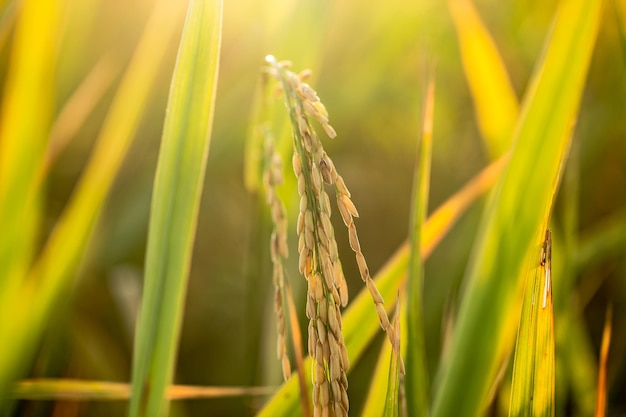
column 178, row 209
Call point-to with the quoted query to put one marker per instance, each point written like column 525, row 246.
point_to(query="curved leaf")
column 417, row 379
column 494, row 97
column 513, row 221
column 31, row 303
column 175, row 205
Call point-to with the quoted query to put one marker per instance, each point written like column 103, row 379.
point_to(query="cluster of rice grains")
column 273, row 177
column 318, row 257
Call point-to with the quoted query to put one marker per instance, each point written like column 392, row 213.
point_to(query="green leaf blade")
column 514, row 218
column 26, row 111
column 394, row 381
column 417, row 379
column 27, row 107
column 57, row 265
column 377, row 392
column 532, row 389
column 175, row 205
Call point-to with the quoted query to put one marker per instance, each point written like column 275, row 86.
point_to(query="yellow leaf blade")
column 485, row 331
column 532, row 389
column 494, row 98
column 82, row 390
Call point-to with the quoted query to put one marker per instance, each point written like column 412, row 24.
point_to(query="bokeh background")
column 370, row 62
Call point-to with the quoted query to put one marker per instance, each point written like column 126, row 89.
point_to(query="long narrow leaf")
column 376, row 395
column 392, row 401
column 175, row 206
column 24, row 125
column 27, row 106
column 80, row 390
column 492, row 92
column 61, row 255
column 360, row 323
column 532, row 389
column 417, row 381
column 512, row 222
column 296, row 337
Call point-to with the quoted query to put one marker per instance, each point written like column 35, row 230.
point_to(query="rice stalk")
column 283, row 297
column 317, row 248
column 273, row 177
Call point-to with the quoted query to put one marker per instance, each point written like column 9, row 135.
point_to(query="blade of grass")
column 532, row 389
column 60, row 258
column 27, row 106
column 296, row 337
column 512, row 222
column 393, row 399
column 81, row 390
column 494, row 98
column 602, row 367
column 360, row 323
column 544, row 379
column 175, row 204
column 376, row 395
column 565, row 286
column 417, row 380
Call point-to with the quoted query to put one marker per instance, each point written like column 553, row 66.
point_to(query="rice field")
column 312, row 208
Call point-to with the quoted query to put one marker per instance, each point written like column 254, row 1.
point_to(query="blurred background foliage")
column 370, row 61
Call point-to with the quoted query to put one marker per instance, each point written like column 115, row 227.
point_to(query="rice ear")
column 318, row 258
